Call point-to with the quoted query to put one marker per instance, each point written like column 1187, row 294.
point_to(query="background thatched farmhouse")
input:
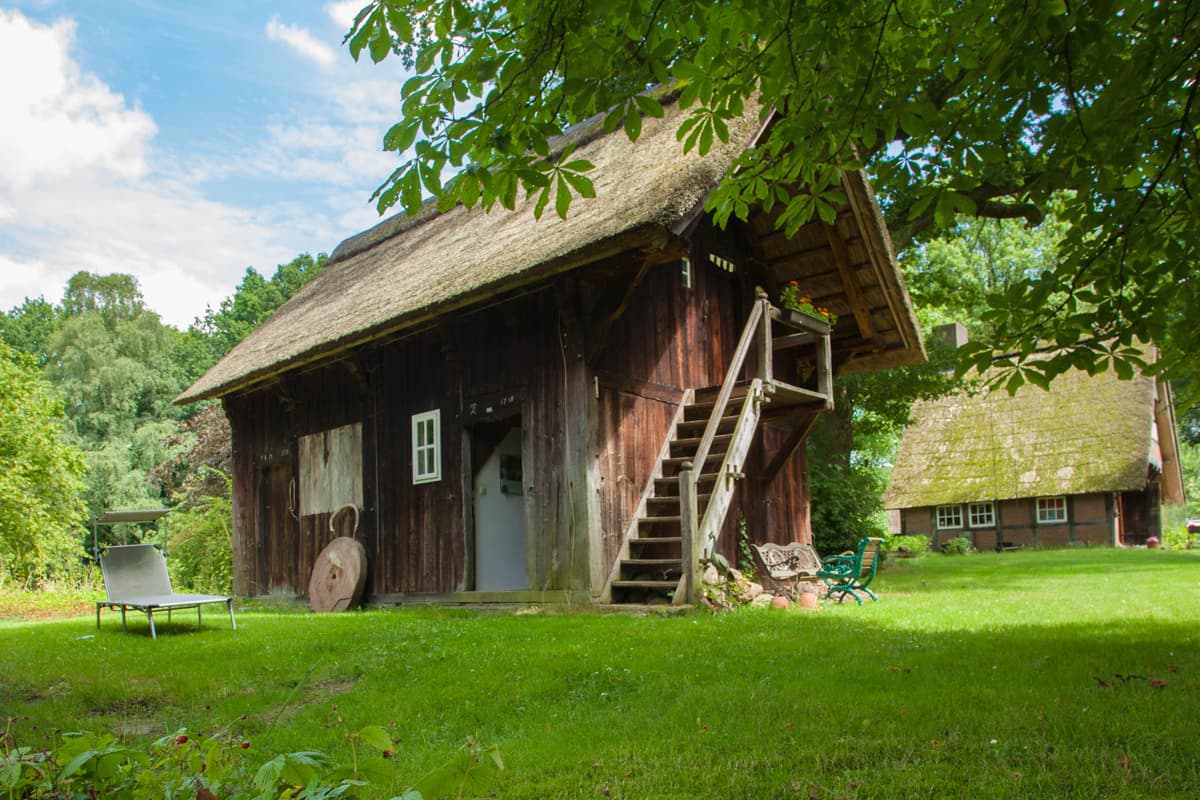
column 1090, row 462
column 505, row 402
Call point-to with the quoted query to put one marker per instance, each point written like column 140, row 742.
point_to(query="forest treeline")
column 88, row 423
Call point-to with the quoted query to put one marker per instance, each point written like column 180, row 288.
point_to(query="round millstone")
column 338, row 577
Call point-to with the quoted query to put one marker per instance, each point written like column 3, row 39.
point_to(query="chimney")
column 954, row 334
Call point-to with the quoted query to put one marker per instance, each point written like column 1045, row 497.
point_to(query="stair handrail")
column 758, row 324
column 762, row 305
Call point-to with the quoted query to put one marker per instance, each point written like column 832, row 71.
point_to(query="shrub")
column 908, row 545
column 201, row 546
column 1176, row 538
column 958, row 546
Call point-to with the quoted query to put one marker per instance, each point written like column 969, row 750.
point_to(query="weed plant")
column 1048, row 674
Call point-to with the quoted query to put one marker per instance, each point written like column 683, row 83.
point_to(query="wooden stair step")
column 708, row 395
column 671, row 482
column 655, row 540
column 693, row 442
column 698, row 425
column 645, row 584
column 714, row 458
column 665, row 518
column 673, row 500
column 702, row 408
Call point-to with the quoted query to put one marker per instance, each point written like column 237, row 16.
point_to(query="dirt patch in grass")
column 35, row 606
column 132, row 718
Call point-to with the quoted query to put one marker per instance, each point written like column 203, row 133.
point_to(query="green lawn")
column 1029, row 674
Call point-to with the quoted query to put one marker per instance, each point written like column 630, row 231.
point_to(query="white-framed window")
column 949, row 517
column 426, row 446
column 1051, row 510
column 981, row 515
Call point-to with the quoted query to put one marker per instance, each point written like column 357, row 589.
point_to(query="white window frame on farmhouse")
column 981, row 515
column 949, row 517
column 1051, row 510
column 426, row 446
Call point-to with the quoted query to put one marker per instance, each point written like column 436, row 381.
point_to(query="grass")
column 1048, row 674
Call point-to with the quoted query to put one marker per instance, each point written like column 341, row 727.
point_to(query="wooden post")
column 765, row 351
column 689, row 530
column 582, row 544
column 1110, row 518
column 825, row 370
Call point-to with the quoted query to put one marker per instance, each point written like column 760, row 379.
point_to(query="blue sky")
column 182, row 142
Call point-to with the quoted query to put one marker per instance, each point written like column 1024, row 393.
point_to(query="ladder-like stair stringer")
column 649, row 568
column 713, row 431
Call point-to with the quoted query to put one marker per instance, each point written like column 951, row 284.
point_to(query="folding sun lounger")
column 135, row 576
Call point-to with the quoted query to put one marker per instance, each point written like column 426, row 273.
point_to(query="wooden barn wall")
column 275, row 546
column 595, row 397
column 507, row 358
column 421, row 539
column 670, row 338
column 519, row 357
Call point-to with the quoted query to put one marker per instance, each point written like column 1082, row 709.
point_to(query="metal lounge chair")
column 135, row 577
column 849, row 573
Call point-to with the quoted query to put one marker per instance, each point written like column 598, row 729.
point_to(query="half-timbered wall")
column 1092, row 519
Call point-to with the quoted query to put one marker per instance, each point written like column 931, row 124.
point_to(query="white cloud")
column 300, row 40
column 343, row 13
column 56, row 117
column 90, row 189
column 187, row 252
column 82, row 188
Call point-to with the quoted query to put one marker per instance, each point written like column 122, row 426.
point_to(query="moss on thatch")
column 1086, row 434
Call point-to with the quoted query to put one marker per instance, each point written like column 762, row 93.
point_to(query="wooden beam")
column 841, row 257
column 789, row 447
column 792, row 340
column 582, row 541
column 673, row 251
column 646, row 389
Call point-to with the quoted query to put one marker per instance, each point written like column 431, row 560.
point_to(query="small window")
column 1051, row 510
column 427, row 453
column 949, row 517
column 981, row 515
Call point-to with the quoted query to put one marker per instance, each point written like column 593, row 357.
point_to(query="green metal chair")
column 848, row 573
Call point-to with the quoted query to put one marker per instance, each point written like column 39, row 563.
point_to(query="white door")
column 500, row 519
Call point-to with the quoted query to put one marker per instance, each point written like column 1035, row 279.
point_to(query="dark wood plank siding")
column 420, row 544
column 631, row 430
column 415, row 535
column 669, row 338
column 275, row 545
column 595, row 392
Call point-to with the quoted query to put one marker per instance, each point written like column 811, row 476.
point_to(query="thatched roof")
column 407, row 271
column 1086, row 434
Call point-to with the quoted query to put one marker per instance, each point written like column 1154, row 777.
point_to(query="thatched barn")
column 1090, row 461
column 507, row 403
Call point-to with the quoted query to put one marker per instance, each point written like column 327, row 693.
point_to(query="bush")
column 201, row 546
column 914, row 545
column 958, row 546
column 1176, row 538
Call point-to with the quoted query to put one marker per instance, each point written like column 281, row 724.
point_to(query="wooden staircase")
column 704, row 455
column 651, row 570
